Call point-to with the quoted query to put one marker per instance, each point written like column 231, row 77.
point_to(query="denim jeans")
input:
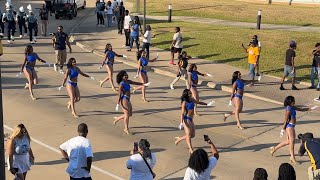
column 252, row 71
column 313, row 74
column 136, row 39
column 109, row 20
column 145, row 46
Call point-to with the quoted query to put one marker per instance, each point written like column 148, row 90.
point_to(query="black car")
column 65, row 8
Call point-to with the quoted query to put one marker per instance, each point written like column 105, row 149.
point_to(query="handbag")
column 153, row 174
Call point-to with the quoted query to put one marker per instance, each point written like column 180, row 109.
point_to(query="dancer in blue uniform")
column 28, row 69
column 289, row 127
column 187, row 111
column 109, row 61
column 124, row 99
column 193, row 83
column 72, row 84
column 142, row 73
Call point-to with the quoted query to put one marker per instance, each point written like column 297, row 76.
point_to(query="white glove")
column 230, row 103
column 211, row 103
column 99, row 67
column 180, row 126
column 92, row 78
column 48, row 64
column 281, row 132
column 209, row 75
column 314, row 107
column 59, row 88
column 19, row 74
column 147, row 84
column 136, row 76
column 125, row 56
column 117, row 107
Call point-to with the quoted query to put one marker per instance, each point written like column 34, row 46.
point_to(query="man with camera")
column 78, row 152
column 59, row 40
column 312, row 147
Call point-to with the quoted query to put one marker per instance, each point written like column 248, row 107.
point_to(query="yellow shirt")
column 253, row 53
column 1, row 48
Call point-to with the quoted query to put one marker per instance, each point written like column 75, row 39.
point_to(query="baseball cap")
column 306, row 136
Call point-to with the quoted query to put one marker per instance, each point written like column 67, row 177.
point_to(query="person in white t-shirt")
column 140, row 155
column 200, row 165
column 126, row 27
column 176, row 45
column 146, row 40
column 77, row 151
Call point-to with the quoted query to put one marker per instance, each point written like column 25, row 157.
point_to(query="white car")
column 81, row 4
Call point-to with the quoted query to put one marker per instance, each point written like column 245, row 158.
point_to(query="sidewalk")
column 94, row 39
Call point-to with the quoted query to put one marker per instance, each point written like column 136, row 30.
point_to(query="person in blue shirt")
column 28, row 68
column 134, row 34
column 72, row 84
column 100, row 7
column 109, row 61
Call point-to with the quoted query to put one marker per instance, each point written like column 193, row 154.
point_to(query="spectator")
column 176, row 45
column 121, row 12
column 253, row 59
column 286, row 172
column 49, row 6
column 100, row 7
column 44, row 20
column 77, row 151
column 255, row 37
column 315, row 67
column 182, row 69
column 146, row 40
column 109, row 13
column 141, row 161
column 21, row 18
column 32, row 26
column 59, row 40
column 289, row 68
column 200, row 165
column 260, row 174
column 126, row 26
column 20, row 156
column 312, row 147
column 134, row 34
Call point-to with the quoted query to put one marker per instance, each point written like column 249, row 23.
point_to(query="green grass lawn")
column 303, row 15
column 223, row 44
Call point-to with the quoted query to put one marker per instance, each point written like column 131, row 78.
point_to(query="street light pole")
column 2, row 161
column 144, row 15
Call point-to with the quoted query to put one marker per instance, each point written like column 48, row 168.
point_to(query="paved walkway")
column 93, row 39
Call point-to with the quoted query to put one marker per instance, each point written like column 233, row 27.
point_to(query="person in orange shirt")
column 253, row 59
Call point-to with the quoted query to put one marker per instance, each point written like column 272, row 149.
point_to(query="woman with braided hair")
column 28, row 68
column 109, row 61
column 124, row 99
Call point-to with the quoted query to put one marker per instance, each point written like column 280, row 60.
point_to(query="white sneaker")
column 25, row 35
column 35, row 39
column 61, row 72
column 9, row 41
column 259, row 78
column 103, row 26
column 55, row 67
column 12, row 38
column 171, row 86
column 20, row 36
column 31, row 42
column 180, row 126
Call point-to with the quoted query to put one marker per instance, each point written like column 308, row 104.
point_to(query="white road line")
column 58, row 151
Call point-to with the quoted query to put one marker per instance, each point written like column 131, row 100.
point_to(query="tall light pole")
column 144, row 15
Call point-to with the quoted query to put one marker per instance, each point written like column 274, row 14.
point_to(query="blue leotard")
column 292, row 115
column 31, row 58
column 189, row 106
column 143, row 63
column 125, row 88
column 73, row 73
column 239, row 86
column 194, row 78
column 110, row 56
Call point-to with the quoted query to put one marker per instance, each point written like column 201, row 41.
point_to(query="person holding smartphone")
column 20, row 155
column 137, row 162
column 200, row 165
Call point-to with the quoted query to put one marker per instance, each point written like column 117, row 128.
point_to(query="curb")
column 170, row 74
